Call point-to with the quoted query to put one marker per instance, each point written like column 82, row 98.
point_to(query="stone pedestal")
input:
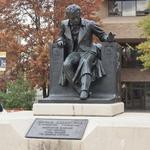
column 127, row 131
column 73, row 109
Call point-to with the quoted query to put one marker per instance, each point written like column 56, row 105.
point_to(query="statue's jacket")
column 85, row 45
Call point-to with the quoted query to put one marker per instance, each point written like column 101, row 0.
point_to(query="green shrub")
column 19, row 95
column 144, row 48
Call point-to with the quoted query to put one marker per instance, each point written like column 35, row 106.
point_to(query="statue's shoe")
column 84, row 95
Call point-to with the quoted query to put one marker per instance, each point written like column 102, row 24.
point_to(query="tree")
column 144, row 48
column 19, row 94
column 27, row 28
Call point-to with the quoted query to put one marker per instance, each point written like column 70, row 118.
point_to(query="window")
column 114, row 8
column 142, row 8
column 129, row 57
column 136, row 95
column 128, row 7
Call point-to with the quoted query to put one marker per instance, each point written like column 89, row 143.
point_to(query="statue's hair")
column 73, row 9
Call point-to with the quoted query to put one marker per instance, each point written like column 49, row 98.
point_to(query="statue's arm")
column 101, row 34
column 96, row 30
column 60, row 40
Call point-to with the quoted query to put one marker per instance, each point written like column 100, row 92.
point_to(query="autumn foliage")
column 26, row 30
column 27, row 26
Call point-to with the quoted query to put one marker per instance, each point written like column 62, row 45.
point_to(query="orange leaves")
column 27, row 27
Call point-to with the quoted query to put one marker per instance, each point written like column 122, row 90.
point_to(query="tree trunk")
column 45, row 90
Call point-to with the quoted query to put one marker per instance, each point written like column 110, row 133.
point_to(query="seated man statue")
column 82, row 62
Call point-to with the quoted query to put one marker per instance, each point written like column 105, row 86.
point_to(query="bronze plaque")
column 57, row 128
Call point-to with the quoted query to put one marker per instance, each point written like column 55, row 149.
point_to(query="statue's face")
column 74, row 19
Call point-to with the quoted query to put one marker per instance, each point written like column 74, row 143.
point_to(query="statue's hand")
column 60, row 43
column 111, row 37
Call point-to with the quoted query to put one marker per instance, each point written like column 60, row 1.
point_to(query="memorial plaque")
column 57, row 128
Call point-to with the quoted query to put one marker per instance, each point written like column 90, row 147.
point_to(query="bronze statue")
column 82, row 62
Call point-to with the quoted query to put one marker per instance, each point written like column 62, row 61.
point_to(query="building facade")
column 122, row 17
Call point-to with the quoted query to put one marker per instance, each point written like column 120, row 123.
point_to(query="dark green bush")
column 19, row 95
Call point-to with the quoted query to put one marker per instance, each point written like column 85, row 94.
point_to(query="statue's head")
column 73, row 12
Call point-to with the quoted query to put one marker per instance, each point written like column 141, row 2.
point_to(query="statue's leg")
column 69, row 67
column 85, row 85
column 86, row 82
column 86, row 75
